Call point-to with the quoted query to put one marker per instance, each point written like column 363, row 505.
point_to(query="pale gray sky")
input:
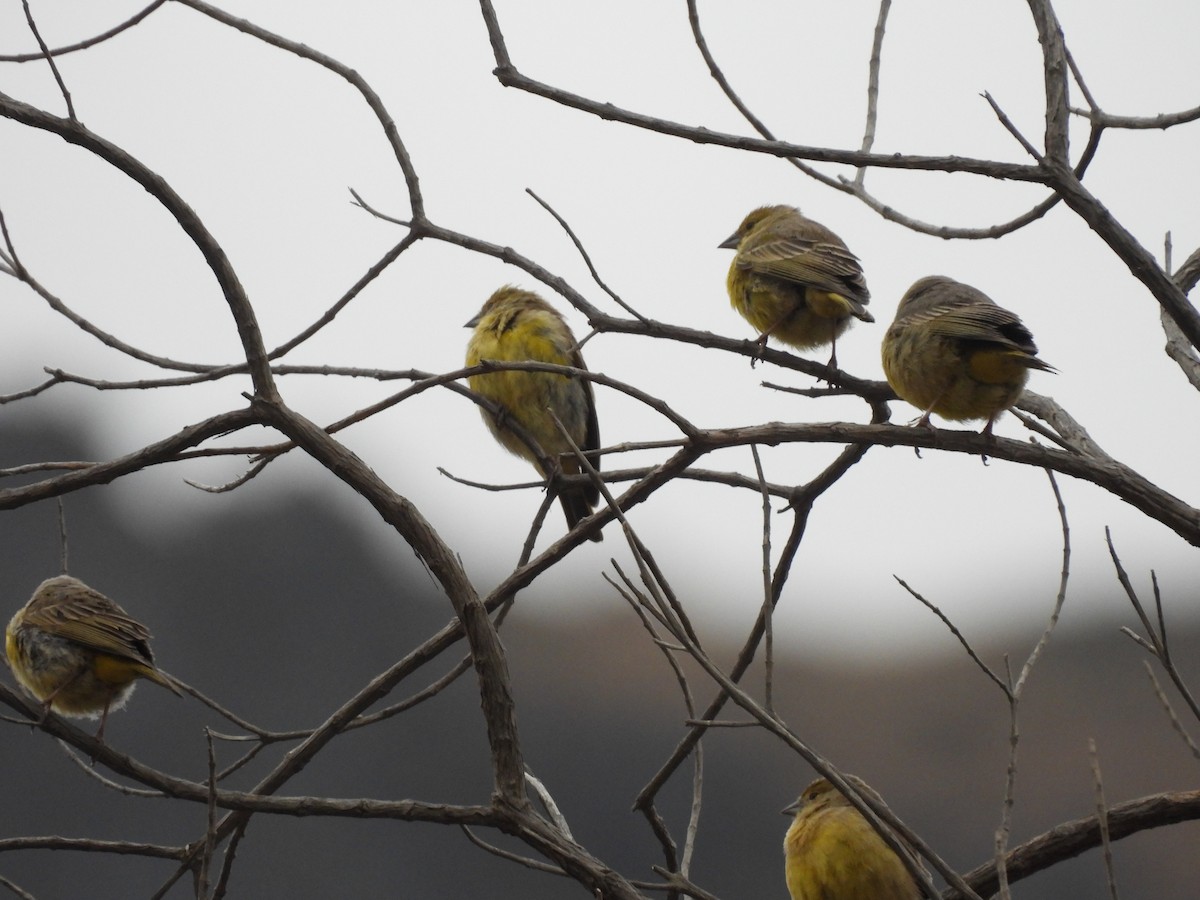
column 265, row 146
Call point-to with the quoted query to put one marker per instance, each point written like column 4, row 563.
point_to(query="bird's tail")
column 576, row 507
column 1034, row 363
column 836, row 305
column 150, row 673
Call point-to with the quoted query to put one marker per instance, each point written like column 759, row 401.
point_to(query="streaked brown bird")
column 831, row 852
column 78, row 652
column 795, row 280
column 952, row 351
column 515, row 325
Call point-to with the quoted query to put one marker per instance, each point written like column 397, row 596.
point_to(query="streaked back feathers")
column 953, row 351
column 958, row 310
column 794, row 279
column 780, row 242
column 79, row 652
column 67, row 607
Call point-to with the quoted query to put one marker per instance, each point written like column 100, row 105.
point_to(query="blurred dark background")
column 280, row 605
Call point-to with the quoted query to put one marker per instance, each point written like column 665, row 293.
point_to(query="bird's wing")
column 96, row 622
column 980, row 322
column 809, row 261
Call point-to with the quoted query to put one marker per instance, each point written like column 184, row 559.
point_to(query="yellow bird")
column 78, row 652
column 517, row 326
column 831, row 852
column 952, row 351
column 795, row 280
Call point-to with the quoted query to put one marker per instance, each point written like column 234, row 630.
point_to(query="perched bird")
column 518, row 326
column 78, row 652
column 795, row 280
column 831, row 852
column 954, row 352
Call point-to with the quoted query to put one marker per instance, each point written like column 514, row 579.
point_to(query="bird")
column 517, row 325
column 952, row 351
column 78, row 652
column 795, row 280
column 831, row 852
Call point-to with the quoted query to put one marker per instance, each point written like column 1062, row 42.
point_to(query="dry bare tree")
column 520, row 805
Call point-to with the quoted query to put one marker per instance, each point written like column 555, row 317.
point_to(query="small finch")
column 831, row 852
column 517, row 326
column 795, row 280
column 78, row 652
column 952, row 351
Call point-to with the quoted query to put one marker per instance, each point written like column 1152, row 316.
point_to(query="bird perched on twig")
column 795, row 280
column 78, row 652
column 515, row 325
column 831, row 852
column 952, row 351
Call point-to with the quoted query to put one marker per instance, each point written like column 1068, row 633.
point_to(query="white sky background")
column 265, row 146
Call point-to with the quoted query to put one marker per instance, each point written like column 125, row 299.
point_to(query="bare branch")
column 1178, row 347
column 768, row 605
column 1163, row 700
column 1070, row 839
column 75, row 133
column 719, row 76
column 90, row 845
column 1155, row 639
column 1012, row 128
column 524, row 861
column 509, row 76
column 1060, row 597
column 1161, row 121
column 360, row 84
column 1054, row 71
column 1102, row 819
column 89, row 42
column 16, row 889
column 49, row 57
column 154, row 454
column 1119, row 239
column 873, row 67
column 587, row 259
column 801, row 505
column 959, row 636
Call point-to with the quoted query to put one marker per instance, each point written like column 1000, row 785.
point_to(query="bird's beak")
column 474, row 320
column 731, row 242
column 792, row 808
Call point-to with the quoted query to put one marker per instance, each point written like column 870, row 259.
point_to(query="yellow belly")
column 933, row 374
column 76, row 680
column 794, row 315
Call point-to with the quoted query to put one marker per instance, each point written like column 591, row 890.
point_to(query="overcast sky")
column 266, row 146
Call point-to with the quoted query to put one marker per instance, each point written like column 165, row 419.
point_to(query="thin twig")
column 767, row 606
column 1155, row 639
column 547, row 800
column 933, row 608
column 1011, row 128
column 89, row 42
column 62, row 536
column 1060, row 597
column 873, row 68
column 587, row 259
column 49, row 57
column 1102, row 817
column 16, row 889
column 1165, row 702
column 210, row 825
column 535, row 864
